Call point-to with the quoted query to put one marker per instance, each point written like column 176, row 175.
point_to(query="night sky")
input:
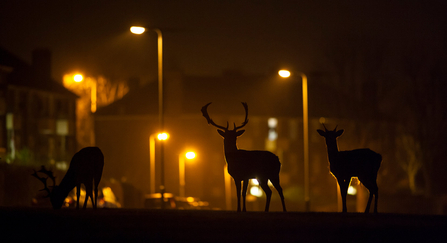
column 207, row 37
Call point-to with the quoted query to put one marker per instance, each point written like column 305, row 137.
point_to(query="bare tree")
column 409, row 158
column 424, row 112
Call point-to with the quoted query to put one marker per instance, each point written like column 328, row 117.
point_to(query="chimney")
column 41, row 64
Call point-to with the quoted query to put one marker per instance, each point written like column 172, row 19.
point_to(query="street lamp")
column 160, row 137
column 140, row 30
column 181, row 167
column 287, row 74
column 78, row 78
column 90, row 82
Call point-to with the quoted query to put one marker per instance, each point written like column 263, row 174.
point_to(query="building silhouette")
column 37, row 114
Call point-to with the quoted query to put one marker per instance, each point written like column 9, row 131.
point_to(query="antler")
column 44, row 179
column 335, row 129
column 49, row 173
column 246, row 117
column 208, row 118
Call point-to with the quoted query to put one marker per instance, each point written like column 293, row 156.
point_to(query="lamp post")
column 140, row 30
column 161, row 137
column 181, row 168
column 287, row 74
column 152, row 163
column 78, row 78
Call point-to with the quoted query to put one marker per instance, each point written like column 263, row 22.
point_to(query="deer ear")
column 222, row 133
column 239, row 133
column 339, row 132
column 321, row 132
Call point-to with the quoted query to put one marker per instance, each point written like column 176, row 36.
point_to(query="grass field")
column 139, row 225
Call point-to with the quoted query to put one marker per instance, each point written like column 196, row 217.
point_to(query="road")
column 140, row 225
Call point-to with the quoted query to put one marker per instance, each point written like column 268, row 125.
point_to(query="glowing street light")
column 163, row 136
column 190, row 155
column 285, row 74
column 160, row 137
column 181, row 168
column 90, row 82
column 78, row 78
column 138, row 30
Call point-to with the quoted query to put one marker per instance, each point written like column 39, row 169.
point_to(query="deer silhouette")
column 361, row 163
column 85, row 168
column 244, row 165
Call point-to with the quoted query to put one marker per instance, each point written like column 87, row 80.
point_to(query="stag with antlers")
column 361, row 163
column 244, row 165
column 85, row 168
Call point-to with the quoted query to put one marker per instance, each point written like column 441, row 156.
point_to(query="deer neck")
column 230, row 146
column 332, row 148
column 68, row 183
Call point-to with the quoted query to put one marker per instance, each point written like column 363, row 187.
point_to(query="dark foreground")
column 139, row 225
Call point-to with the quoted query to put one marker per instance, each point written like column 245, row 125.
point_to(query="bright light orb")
column 190, row 155
column 284, row 73
column 78, row 78
column 163, row 136
column 138, row 30
column 256, row 191
column 352, row 190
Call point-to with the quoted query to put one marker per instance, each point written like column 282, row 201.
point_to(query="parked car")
column 153, row 201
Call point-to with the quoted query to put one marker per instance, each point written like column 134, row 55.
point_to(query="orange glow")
column 190, row 155
column 78, row 78
column 93, row 95
column 284, row 73
column 163, row 136
column 138, row 30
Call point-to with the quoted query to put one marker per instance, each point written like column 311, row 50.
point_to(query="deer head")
column 55, row 201
column 330, row 136
column 229, row 136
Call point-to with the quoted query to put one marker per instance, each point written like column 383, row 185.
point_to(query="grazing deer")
column 361, row 163
column 244, row 165
column 85, row 168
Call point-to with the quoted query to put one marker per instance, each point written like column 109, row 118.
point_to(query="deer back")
column 252, row 163
column 86, row 166
column 355, row 163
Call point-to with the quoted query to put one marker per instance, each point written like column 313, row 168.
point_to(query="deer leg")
column 95, row 204
column 268, row 192
column 344, row 184
column 238, row 191
column 369, row 202
column 78, row 195
column 373, row 191
column 85, row 200
column 88, row 193
column 372, row 188
column 244, row 193
column 275, row 182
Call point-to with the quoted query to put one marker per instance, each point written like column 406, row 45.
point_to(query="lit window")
column 272, row 122
column 62, row 127
column 273, row 135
